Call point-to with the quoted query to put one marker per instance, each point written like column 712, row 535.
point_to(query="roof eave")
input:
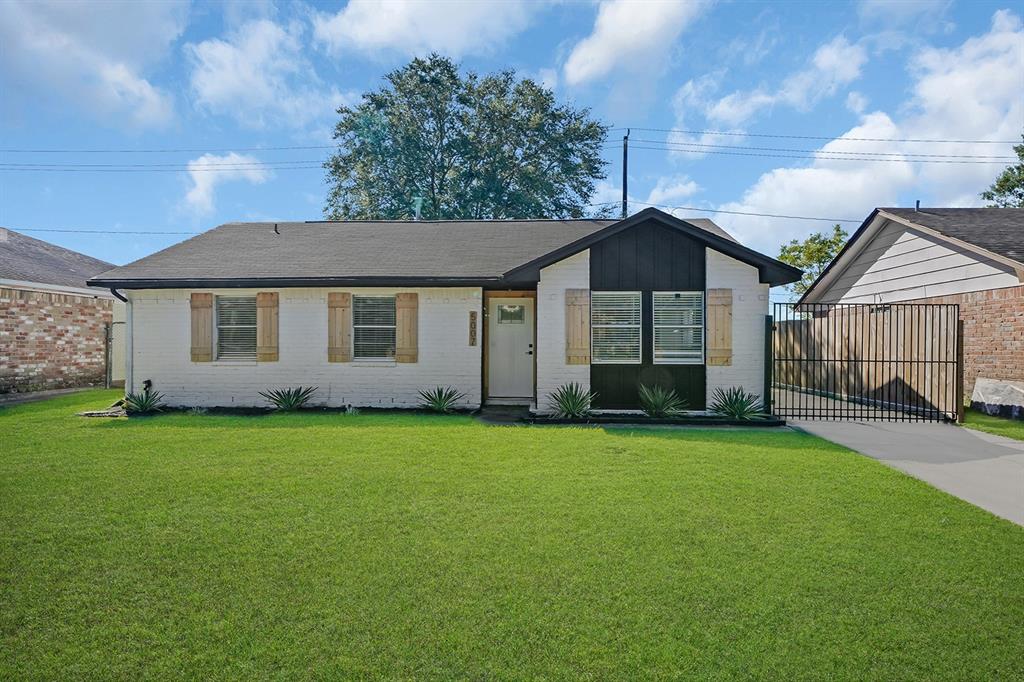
column 289, row 282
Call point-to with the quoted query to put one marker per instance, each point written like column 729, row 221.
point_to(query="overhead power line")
column 734, row 133
column 829, row 151
column 110, row 232
column 720, row 210
column 819, row 155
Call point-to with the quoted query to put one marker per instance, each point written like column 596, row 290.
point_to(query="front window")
column 678, row 327
column 236, row 327
column 373, row 327
column 615, row 327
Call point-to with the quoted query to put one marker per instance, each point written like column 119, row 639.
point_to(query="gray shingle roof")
column 28, row 259
column 457, row 249
column 999, row 230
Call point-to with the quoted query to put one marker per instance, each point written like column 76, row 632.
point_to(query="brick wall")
column 51, row 340
column 993, row 333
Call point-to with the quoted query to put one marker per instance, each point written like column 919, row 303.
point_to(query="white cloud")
column 259, row 76
column 856, row 102
column 210, row 170
column 692, row 97
column 411, row 27
column 670, row 189
column 834, row 64
column 92, row 54
column 632, row 35
column 969, row 92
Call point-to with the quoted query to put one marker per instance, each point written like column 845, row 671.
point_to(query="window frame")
column 702, row 327
column 639, row 326
column 217, row 299
column 393, row 327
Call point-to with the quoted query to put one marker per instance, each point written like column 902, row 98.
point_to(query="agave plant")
column 441, row 399
column 287, row 399
column 571, row 401
column 657, row 401
column 736, row 403
column 144, row 402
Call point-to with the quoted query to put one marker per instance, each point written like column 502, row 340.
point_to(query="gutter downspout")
column 128, row 388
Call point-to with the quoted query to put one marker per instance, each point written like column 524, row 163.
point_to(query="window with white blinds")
column 678, row 327
column 236, row 327
column 615, row 327
column 373, row 327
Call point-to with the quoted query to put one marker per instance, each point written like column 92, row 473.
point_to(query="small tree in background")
column 812, row 255
column 462, row 146
column 1008, row 189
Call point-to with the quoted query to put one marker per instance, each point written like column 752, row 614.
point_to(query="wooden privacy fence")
column 893, row 362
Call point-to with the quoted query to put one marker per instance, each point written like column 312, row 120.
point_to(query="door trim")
column 485, row 329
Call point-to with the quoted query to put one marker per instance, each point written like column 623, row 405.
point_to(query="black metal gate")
column 866, row 361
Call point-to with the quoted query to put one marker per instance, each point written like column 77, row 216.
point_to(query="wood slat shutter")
column 719, row 347
column 407, row 327
column 339, row 326
column 577, row 326
column 266, row 326
column 202, row 327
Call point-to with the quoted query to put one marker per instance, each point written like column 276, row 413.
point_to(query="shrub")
column 146, row 402
column 657, row 401
column 287, row 399
column 441, row 399
column 197, row 411
column 571, row 401
column 736, row 403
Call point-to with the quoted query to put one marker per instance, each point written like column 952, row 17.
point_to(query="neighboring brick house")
column 973, row 257
column 53, row 329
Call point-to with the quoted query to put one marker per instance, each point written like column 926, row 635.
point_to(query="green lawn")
column 324, row 545
column 1010, row 428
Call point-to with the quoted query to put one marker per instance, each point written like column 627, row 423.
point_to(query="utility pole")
column 625, row 172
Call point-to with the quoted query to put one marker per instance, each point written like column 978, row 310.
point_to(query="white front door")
column 510, row 348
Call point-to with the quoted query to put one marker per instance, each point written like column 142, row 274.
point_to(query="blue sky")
column 226, row 81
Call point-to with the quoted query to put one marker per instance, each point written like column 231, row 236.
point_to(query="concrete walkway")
column 981, row 468
column 35, row 396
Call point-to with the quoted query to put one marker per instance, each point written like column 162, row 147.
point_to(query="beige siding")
column 902, row 264
column 161, row 342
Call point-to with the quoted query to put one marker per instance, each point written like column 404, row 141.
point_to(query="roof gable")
column 771, row 271
column 995, row 232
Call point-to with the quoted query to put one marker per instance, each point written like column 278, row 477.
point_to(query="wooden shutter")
column 719, row 327
column 202, row 327
column 266, row 326
column 339, row 326
column 406, row 327
column 577, row 326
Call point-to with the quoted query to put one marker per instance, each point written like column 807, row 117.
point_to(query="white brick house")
column 504, row 311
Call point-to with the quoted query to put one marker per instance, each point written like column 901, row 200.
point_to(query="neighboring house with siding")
column 504, row 311
column 973, row 257
column 55, row 331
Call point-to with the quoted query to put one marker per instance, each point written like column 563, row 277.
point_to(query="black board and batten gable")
column 648, row 257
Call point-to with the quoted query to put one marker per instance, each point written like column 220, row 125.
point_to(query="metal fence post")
column 769, row 360
column 959, row 369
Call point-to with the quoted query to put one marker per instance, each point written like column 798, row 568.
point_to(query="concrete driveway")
column 983, row 469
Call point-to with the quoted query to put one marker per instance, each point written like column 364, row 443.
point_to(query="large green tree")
column 462, row 146
column 812, row 255
column 1008, row 189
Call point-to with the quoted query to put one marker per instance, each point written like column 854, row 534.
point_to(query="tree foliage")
column 812, row 255
column 1008, row 189
column 462, row 146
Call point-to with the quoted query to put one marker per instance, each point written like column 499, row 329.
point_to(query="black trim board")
column 279, row 282
column 771, row 271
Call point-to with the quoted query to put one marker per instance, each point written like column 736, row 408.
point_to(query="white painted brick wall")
column 749, row 307
column 552, row 372
column 160, row 351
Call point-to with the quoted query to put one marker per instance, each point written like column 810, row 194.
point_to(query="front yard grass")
column 1010, row 428
column 409, row 546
